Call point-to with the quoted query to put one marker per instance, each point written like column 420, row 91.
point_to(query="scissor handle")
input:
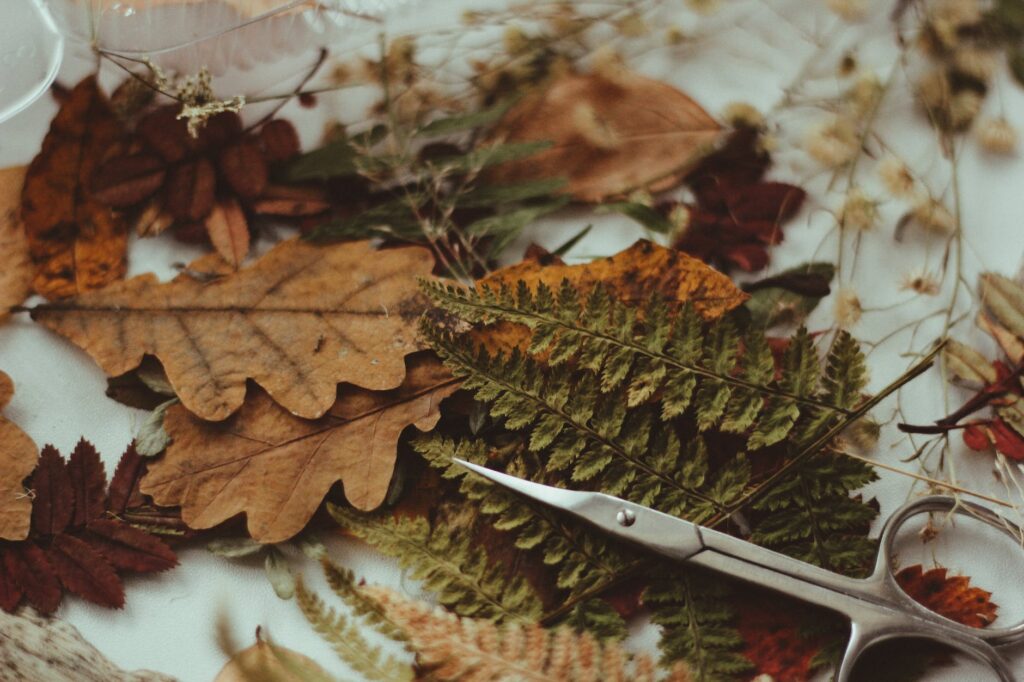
column 977, row 642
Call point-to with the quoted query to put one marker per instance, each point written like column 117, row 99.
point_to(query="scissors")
column 877, row 607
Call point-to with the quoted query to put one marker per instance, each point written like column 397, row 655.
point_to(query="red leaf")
column 244, row 168
column 54, row 503
column 124, row 486
column 951, row 597
column 190, row 190
column 776, row 637
column 89, row 482
column 165, row 134
column 128, row 548
column 10, row 593
column 26, row 564
column 127, row 180
column 85, row 572
column 280, row 140
column 976, row 437
column 1007, row 440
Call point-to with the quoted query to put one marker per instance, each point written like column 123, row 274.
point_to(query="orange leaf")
column 77, row 243
column 276, row 468
column 608, row 136
column 298, row 321
column 18, row 455
column 15, row 262
column 229, row 231
column 632, row 275
column 949, row 596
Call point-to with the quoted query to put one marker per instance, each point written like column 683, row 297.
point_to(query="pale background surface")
column 751, row 51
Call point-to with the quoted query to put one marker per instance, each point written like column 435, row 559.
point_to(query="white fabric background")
column 751, row 51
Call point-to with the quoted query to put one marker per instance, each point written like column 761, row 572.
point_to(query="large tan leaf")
column 266, row 662
column 276, row 468
column 299, row 321
column 33, row 648
column 609, row 136
column 77, row 243
column 18, row 455
column 15, row 262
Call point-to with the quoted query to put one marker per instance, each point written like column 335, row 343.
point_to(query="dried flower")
column 675, row 35
column 198, row 114
column 515, row 40
column 833, row 144
column 978, row 64
column 851, row 10
column 934, row 92
column 896, row 176
column 950, row 16
column 632, row 26
column 997, row 136
column 679, row 217
column 642, row 197
column 608, row 62
column 933, row 216
column 743, row 115
column 859, row 211
column 920, row 282
column 864, row 95
column 848, row 309
column 963, row 109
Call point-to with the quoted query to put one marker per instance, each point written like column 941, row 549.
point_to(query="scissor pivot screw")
column 625, row 517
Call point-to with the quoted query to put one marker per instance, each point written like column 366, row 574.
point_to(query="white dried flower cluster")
column 679, row 217
column 920, row 282
column 896, row 177
column 833, row 144
column 860, row 212
column 864, row 94
column 933, row 216
column 948, row 17
column 997, row 136
column 195, row 92
column 848, row 309
column 851, row 10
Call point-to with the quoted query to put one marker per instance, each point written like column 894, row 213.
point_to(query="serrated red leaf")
column 128, row 180
column 124, row 486
column 54, row 496
column 26, row 564
column 89, row 482
column 950, row 596
column 776, row 638
column 85, row 572
column 128, row 548
column 10, row 593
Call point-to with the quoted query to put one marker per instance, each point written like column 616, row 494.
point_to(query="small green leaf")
column 572, row 242
column 232, row 548
column 393, row 218
column 492, row 195
column 641, row 213
column 279, row 573
column 335, row 159
column 505, row 227
column 152, row 439
column 470, row 121
column 482, row 157
column 800, row 291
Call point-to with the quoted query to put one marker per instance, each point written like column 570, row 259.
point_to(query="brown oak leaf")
column 77, row 243
column 608, row 136
column 949, row 596
column 74, row 543
column 276, row 468
column 299, row 321
column 18, row 455
column 16, row 267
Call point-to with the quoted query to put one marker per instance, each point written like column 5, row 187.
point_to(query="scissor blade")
column 661, row 533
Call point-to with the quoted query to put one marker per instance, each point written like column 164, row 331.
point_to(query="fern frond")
column 345, row 637
column 696, row 617
column 342, row 582
column 448, row 565
column 453, row 649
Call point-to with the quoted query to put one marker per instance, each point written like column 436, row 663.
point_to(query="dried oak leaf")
column 16, row 267
column 77, row 243
column 950, row 596
column 299, row 321
column 276, row 468
column 18, row 455
column 631, row 275
column 737, row 215
column 608, row 136
column 74, row 543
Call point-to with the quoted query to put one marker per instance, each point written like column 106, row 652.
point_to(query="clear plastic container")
column 31, row 48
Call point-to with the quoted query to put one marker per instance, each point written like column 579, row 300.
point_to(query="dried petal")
column 127, row 180
column 190, row 190
column 280, row 140
column 244, row 168
column 229, row 231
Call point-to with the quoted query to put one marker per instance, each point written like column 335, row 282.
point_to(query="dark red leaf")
column 279, row 139
column 85, row 572
column 1007, row 440
column 128, row 180
column 190, row 190
column 89, row 482
column 950, row 596
column 26, row 564
column 10, row 593
column 776, row 637
column 165, row 134
column 219, row 130
column 54, row 502
column 976, row 437
column 774, row 202
column 128, row 548
column 124, row 486
column 243, row 166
